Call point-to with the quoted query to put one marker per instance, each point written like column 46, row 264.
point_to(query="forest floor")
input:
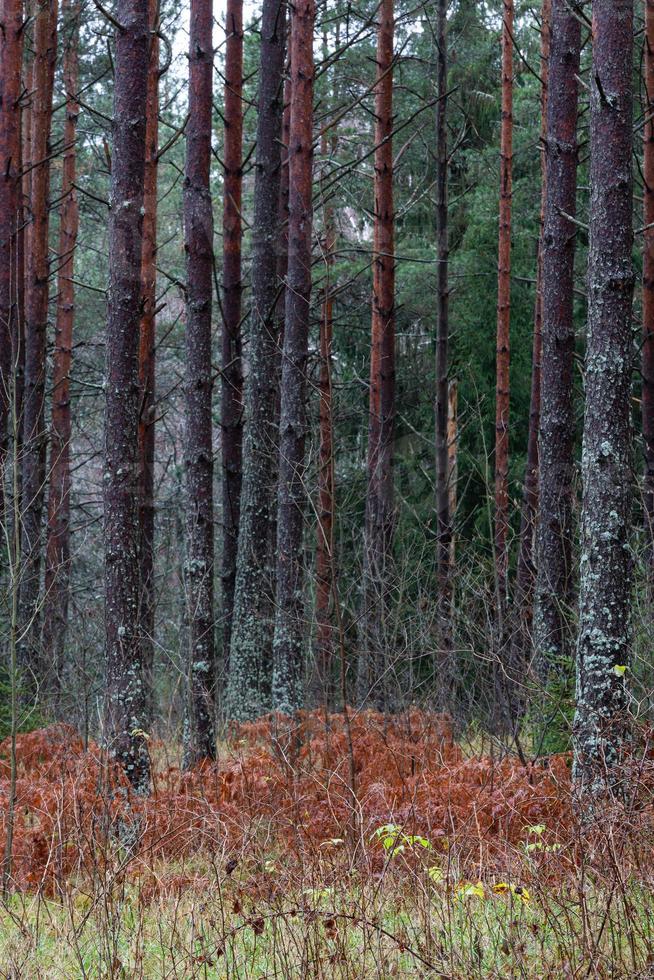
column 352, row 847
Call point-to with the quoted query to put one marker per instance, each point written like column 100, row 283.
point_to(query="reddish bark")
column 57, row 557
column 18, row 337
column 36, row 321
column 147, row 345
column 504, row 324
column 198, row 237
column 648, row 294
column 288, row 642
column 526, row 571
column 125, row 705
column 11, row 50
column 372, row 680
column 232, row 370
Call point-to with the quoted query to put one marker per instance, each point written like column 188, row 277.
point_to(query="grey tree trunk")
column 250, row 661
column 554, row 584
column 604, row 645
column 444, row 665
column 200, row 735
column 125, row 695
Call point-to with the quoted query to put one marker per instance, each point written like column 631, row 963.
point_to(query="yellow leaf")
column 501, row 888
column 620, row 670
column 436, row 874
column 468, row 890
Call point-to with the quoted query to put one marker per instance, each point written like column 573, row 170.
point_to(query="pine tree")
column 198, row 242
column 232, row 370
column 57, row 556
column 37, row 278
column 147, row 348
column 553, row 638
column 604, row 643
column 125, row 702
column 290, row 631
column 250, row 662
column 373, row 674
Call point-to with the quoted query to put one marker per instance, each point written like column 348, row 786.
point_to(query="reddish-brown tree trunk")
column 526, row 570
column 648, row 295
column 57, row 555
column 198, row 231
column 11, row 51
column 373, row 678
column 147, row 346
column 232, row 370
column 504, row 325
column 18, row 336
column 289, row 638
column 36, row 321
column 125, row 704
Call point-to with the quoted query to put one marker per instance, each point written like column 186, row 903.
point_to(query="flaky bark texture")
column 648, row 295
column 57, row 554
column 290, row 628
column 373, row 676
column 248, row 692
column 504, row 323
column 553, row 639
column 11, row 51
column 147, row 345
column 125, row 694
column 601, row 717
column 526, row 570
column 36, row 322
column 232, row 369
column 198, row 232
column 444, row 518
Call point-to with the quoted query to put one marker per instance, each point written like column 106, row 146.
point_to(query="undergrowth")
column 359, row 846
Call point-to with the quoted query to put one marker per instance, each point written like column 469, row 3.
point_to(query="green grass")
column 399, row 925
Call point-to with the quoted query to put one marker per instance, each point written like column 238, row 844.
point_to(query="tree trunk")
column 373, row 681
column 604, row 644
column 147, row 344
column 553, row 635
column 36, row 321
column 198, row 230
column 322, row 685
column 503, row 352
column 57, row 556
column 125, row 695
column 232, row 370
column 521, row 640
column 290, row 629
column 248, row 692
column 11, row 52
column 648, row 299
column 445, row 667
